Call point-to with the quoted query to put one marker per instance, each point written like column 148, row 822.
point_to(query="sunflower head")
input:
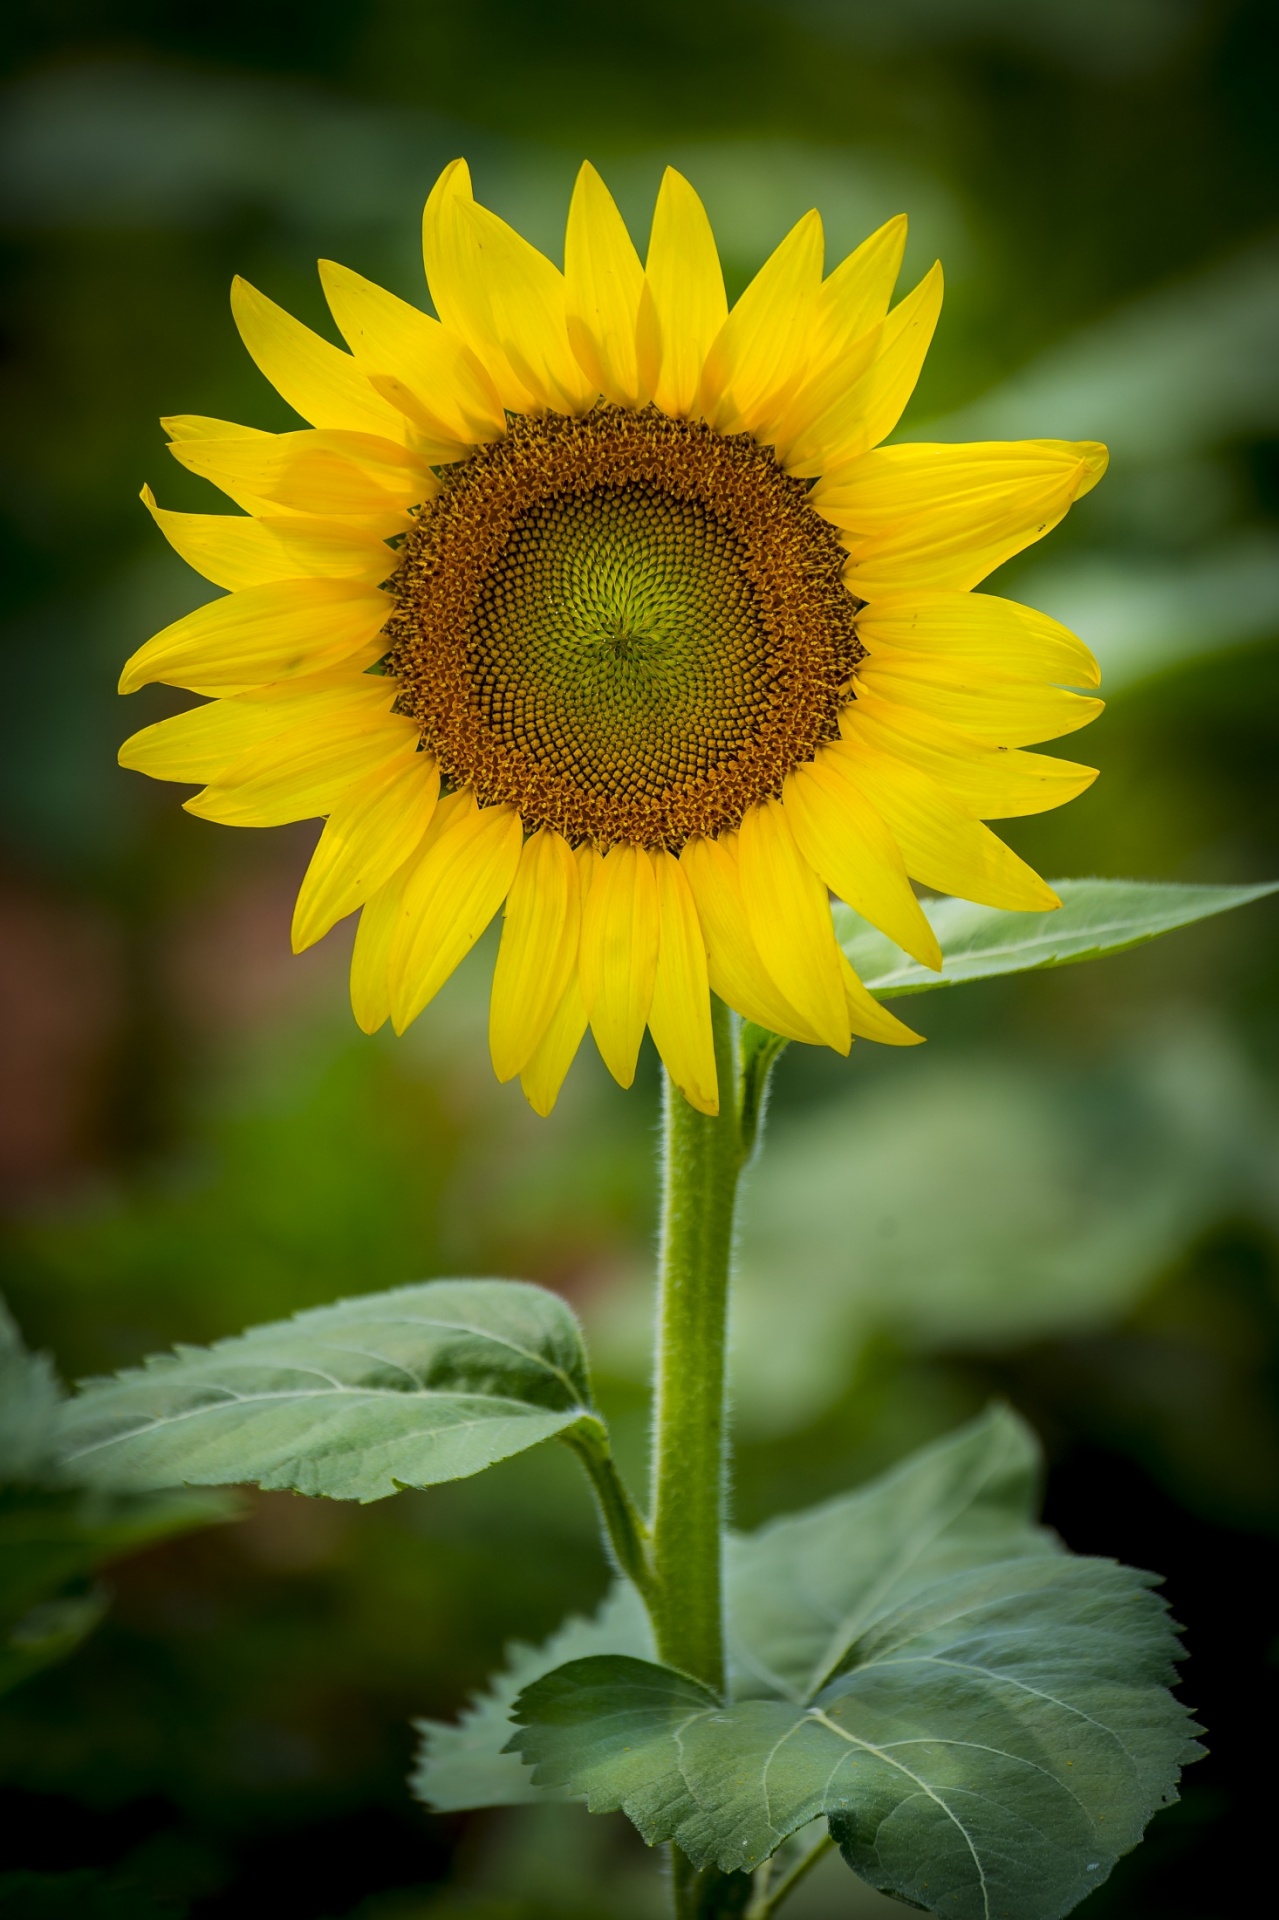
column 593, row 600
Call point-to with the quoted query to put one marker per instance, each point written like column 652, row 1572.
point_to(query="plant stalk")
column 701, row 1161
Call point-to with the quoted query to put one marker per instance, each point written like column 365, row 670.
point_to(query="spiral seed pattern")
column 629, row 627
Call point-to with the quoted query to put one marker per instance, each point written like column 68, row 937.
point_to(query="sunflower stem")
column 701, row 1161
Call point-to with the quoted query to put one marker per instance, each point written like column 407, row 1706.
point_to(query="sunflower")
column 598, row 601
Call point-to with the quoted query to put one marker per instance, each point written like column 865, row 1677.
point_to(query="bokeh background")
column 1068, row 1197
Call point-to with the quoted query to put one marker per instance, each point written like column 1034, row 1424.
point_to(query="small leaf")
column 803, row 1589
column 1095, row 917
column 469, row 1764
column 354, row 1401
column 991, row 1747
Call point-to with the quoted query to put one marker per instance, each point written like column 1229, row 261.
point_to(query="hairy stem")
column 702, row 1157
column 623, row 1524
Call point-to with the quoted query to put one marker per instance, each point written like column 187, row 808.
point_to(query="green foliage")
column 802, row 1590
column 468, row 1765
column 983, row 1718
column 1096, row 917
column 53, row 1532
column 989, row 1198
column 354, row 1401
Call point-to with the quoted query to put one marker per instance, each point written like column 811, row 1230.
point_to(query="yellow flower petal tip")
column 1095, row 458
column 555, row 543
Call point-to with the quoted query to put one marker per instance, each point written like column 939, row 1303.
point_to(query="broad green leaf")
column 1096, row 917
column 803, row 1589
column 609, row 1730
column 354, row 1401
column 467, row 1765
column 992, row 1746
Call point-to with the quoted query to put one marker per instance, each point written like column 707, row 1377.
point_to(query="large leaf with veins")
column 991, row 1746
column 407, row 1388
column 803, row 1589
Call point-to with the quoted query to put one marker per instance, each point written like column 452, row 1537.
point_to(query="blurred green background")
column 1068, row 1196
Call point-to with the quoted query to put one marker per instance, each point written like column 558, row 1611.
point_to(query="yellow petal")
column 318, row 380
column 326, row 473
column 789, row 915
column 687, row 286
column 847, row 331
column 604, row 286
column 981, row 633
column 371, row 958
column 538, row 951
column 794, row 426
column 994, row 783
column 871, row 1021
column 202, row 743
column 846, row 843
column 503, row 298
column 457, row 290
column 307, row 771
column 872, row 405
column 943, row 846
column 679, row 1018
column 261, row 634
column 526, row 298
column 454, row 397
column 459, row 880
column 735, row 970
column 543, row 1076
column 854, row 298
column 234, row 550
column 943, row 517
column 899, row 487
column 618, row 956
column 202, row 426
column 760, row 354
column 369, row 835
column 1002, row 712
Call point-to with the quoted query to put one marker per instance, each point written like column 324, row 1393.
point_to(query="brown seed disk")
column 627, row 626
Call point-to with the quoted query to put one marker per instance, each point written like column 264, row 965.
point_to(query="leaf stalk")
column 624, row 1526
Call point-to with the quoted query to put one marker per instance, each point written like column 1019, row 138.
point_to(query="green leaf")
column 468, row 1765
column 610, row 1730
column 354, row 1401
column 1095, row 917
column 993, row 1746
column 804, row 1589
column 984, row 1719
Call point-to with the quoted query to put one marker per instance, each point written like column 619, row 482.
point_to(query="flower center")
column 627, row 626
